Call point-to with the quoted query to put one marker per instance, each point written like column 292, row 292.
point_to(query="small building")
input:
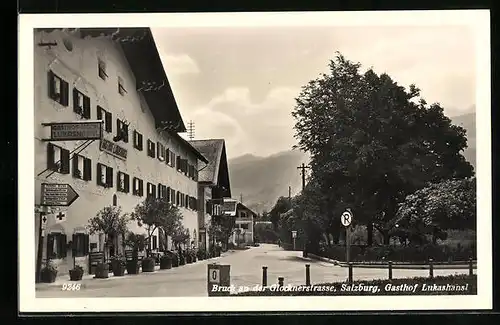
column 244, row 230
column 213, row 184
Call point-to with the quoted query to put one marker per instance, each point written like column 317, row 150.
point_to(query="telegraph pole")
column 290, row 195
column 191, row 130
column 303, row 171
column 241, row 198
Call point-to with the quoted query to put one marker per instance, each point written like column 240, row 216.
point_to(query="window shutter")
column 158, row 151
column 64, row 161
column 109, row 176
column 168, row 194
column 64, row 93
column 74, row 244
column 86, row 107
column 99, row 112
column 87, row 169
column 153, row 190
column 127, row 183
column 178, row 162
column 50, row 82
column 86, row 244
column 125, row 132
column 140, row 142
column 75, row 166
column 99, row 175
column 159, row 190
column 167, row 156
column 118, row 127
column 118, row 183
column 109, row 125
column 63, row 244
column 50, row 245
column 50, row 156
column 75, row 100
column 141, row 188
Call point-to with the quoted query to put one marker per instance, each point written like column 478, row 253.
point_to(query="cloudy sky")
column 240, row 83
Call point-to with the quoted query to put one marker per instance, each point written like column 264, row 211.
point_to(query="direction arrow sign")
column 346, row 218
column 73, row 131
column 58, row 195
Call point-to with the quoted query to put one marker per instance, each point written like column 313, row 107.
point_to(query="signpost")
column 346, row 220
column 58, row 195
column 218, row 280
column 294, row 235
column 74, row 131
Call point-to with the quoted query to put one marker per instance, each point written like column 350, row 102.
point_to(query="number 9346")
column 71, row 286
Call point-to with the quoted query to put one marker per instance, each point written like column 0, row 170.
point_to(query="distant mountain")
column 261, row 180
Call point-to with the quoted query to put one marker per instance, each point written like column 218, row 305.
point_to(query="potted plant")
column 175, row 258
column 137, row 243
column 118, row 265
column 102, row 271
column 182, row 258
column 148, row 264
column 48, row 273
column 188, row 256
column 76, row 273
column 201, row 254
column 166, row 261
column 193, row 255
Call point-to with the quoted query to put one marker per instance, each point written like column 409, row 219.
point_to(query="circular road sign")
column 346, row 218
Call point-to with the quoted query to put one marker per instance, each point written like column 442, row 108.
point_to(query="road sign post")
column 294, row 235
column 346, row 220
column 74, row 131
column 218, row 280
column 58, row 195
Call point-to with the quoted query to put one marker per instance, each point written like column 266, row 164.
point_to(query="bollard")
column 431, row 268
column 390, row 270
column 281, row 281
column 264, row 276
column 308, row 275
column 350, row 273
column 471, row 267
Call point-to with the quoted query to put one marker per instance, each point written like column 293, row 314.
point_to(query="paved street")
column 246, row 269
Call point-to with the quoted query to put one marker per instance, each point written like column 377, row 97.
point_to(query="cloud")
column 262, row 128
column 180, row 64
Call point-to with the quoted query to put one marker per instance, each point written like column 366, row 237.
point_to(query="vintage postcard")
column 312, row 161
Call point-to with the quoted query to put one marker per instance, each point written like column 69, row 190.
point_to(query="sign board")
column 58, row 194
column 74, row 131
column 294, row 234
column 346, row 218
column 94, row 259
column 113, row 149
column 60, row 217
column 214, row 276
column 218, row 280
column 44, row 221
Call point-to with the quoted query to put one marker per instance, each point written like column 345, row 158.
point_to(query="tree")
column 156, row 213
column 450, row 204
column 109, row 220
column 180, row 237
column 282, row 205
column 372, row 143
column 135, row 241
column 223, row 228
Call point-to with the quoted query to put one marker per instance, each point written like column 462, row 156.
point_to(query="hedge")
column 416, row 254
column 442, row 285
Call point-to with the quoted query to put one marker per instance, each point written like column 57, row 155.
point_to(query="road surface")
column 246, row 270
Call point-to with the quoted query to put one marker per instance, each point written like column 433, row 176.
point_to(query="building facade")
column 244, row 228
column 213, row 184
column 115, row 76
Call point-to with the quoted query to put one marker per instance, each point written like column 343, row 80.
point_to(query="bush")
column 464, row 285
column 76, row 273
column 48, row 273
column 201, row 254
column 166, row 262
column 416, row 254
column 148, row 264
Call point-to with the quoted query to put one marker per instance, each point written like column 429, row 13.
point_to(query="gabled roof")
column 242, row 206
column 215, row 152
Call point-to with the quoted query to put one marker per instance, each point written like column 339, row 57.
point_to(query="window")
column 82, row 167
column 243, row 214
column 193, row 203
column 162, row 191
column 167, row 156
column 101, row 69
column 81, row 104
column 138, row 188
column 178, row 199
column 178, row 163
column 155, row 242
column 244, row 226
column 57, row 159
column 160, row 151
column 115, row 200
column 58, row 89
column 104, row 175
column 106, row 117
column 151, row 190
column 172, row 196
column 138, row 140
column 56, row 246
column 121, row 87
column 168, row 195
column 191, row 171
column 80, row 244
column 121, row 131
column 123, row 182
column 151, row 149
column 186, row 201
column 172, row 159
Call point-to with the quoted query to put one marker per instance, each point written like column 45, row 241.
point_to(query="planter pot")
column 47, row 276
column 193, row 259
column 175, row 261
column 75, row 275
column 182, row 260
column 118, row 268
column 148, row 265
column 165, row 263
column 102, row 271
column 188, row 259
column 132, row 267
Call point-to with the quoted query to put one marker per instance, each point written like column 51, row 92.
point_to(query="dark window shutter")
column 109, row 176
column 155, row 243
column 125, row 132
column 127, row 183
column 74, row 245
column 140, row 142
column 99, row 112
column 50, row 245
column 136, row 139
column 87, row 169
column 64, row 93
column 118, row 127
column 109, row 124
column 173, row 196
column 64, row 161
column 86, row 107
column 75, row 101
column 159, row 190
column 118, row 184
column 141, row 187
column 86, row 244
column 158, row 151
column 99, row 174
column 178, row 162
column 168, row 194
column 75, row 166
column 63, row 243
column 50, row 81
column 50, row 156
column 167, row 156
column 153, row 190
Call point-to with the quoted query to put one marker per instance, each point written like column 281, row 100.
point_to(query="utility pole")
column 290, row 195
column 303, row 171
column 241, row 198
column 191, row 130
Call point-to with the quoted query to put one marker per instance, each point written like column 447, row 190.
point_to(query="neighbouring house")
column 115, row 76
column 244, row 228
column 213, row 184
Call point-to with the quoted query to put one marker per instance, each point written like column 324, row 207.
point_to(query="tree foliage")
column 372, row 143
column 282, row 205
column 109, row 220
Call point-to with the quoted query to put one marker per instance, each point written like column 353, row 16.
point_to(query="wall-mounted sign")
column 74, row 131
column 58, row 194
column 113, row 149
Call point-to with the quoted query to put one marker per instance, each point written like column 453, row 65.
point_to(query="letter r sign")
column 214, row 276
